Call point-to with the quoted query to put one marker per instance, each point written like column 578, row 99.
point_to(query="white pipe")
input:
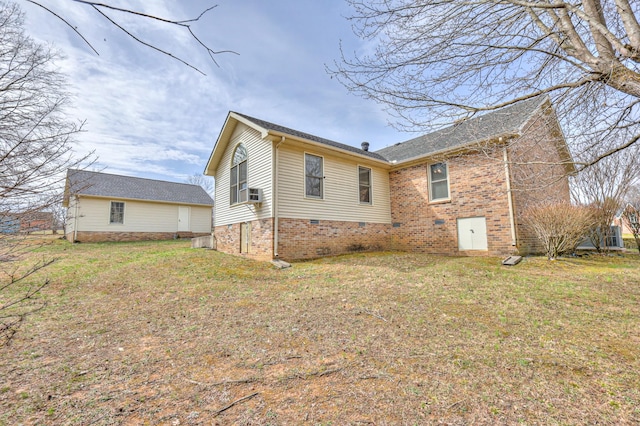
column 274, row 198
column 509, row 197
column 75, row 220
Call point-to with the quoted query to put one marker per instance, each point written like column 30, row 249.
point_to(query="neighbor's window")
column 313, row 175
column 116, row 214
column 364, row 179
column 239, row 175
column 439, row 181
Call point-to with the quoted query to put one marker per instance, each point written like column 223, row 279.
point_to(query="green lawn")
column 158, row 333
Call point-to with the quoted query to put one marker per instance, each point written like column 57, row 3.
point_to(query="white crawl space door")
column 183, row 219
column 472, row 233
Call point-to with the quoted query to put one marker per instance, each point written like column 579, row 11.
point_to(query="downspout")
column 274, row 198
column 512, row 221
column 75, row 220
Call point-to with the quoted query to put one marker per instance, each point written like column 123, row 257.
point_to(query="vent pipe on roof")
column 365, row 146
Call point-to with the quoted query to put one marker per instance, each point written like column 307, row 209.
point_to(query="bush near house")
column 560, row 227
column 158, row 333
column 629, row 242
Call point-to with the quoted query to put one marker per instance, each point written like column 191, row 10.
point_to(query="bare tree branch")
column 186, row 24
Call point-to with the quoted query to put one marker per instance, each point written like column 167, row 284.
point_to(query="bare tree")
column 36, row 148
column 631, row 213
column 432, row 62
column 113, row 13
column 605, row 186
column 204, row 181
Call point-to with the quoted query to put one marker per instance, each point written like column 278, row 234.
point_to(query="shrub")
column 559, row 226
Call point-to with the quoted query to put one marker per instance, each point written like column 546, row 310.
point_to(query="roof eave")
column 147, row 200
column 278, row 135
column 496, row 139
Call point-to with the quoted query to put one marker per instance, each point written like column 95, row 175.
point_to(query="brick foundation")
column 261, row 247
column 301, row 239
column 95, row 237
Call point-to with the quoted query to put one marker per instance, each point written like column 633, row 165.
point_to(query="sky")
column 148, row 115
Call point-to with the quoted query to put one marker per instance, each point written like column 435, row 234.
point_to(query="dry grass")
column 157, row 333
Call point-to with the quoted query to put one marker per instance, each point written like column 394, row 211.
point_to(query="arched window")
column 239, row 175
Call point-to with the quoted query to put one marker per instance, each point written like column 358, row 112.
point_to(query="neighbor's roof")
column 502, row 122
column 82, row 182
column 301, row 135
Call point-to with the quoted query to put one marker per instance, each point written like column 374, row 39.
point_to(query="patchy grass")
column 158, row 333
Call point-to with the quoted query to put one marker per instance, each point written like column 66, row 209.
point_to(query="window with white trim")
column 238, row 179
column 438, row 182
column 116, row 212
column 364, row 184
column 314, row 176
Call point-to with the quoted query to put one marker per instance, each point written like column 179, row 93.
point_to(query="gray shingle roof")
column 508, row 120
column 84, row 182
column 277, row 128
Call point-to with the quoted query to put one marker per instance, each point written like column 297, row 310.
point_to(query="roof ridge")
column 133, row 177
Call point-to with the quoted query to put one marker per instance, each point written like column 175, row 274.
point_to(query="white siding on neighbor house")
column 139, row 216
column 341, row 189
column 70, row 225
column 200, row 219
column 259, row 175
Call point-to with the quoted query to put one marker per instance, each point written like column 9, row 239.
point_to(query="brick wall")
column 261, row 248
column 477, row 183
column 538, row 173
column 301, row 239
column 95, row 237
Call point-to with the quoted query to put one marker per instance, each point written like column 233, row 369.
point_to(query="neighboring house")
column 106, row 207
column 613, row 242
column 9, row 223
column 619, row 221
column 36, row 221
column 25, row 222
column 461, row 190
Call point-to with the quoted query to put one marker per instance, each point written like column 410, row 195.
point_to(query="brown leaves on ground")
column 157, row 333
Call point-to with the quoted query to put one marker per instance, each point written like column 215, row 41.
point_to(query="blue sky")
column 150, row 116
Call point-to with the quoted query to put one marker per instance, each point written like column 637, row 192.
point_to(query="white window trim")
column 304, row 175
column 430, row 189
column 370, row 202
column 123, row 212
column 238, row 190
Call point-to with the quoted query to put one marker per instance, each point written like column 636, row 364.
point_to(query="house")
column 619, row 220
column 107, row 207
column 9, row 223
column 282, row 193
column 25, row 222
column 36, row 221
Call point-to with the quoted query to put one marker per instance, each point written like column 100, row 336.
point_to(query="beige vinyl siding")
column 200, row 219
column 259, row 175
column 340, row 199
column 71, row 212
column 139, row 216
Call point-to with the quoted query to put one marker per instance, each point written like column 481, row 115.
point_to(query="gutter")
column 76, row 219
column 512, row 221
column 395, row 164
column 274, row 197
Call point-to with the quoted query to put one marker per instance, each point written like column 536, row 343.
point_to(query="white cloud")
column 148, row 115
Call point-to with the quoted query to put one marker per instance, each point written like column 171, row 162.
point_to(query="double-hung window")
column 438, row 182
column 116, row 212
column 238, row 178
column 314, row 176
column 364, row 185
